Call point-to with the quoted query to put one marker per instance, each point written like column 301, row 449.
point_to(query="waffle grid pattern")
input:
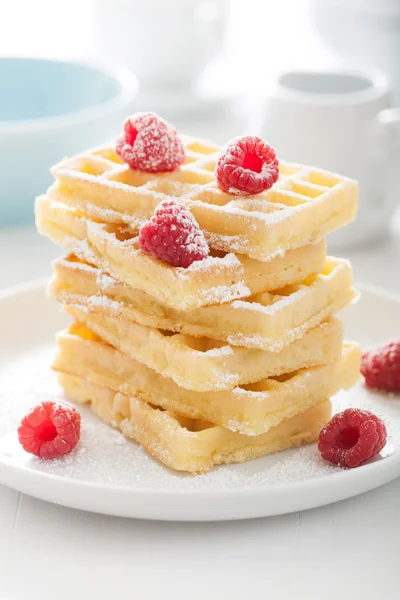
column 302, row 206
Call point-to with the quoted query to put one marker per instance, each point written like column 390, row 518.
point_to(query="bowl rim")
column 114, row 69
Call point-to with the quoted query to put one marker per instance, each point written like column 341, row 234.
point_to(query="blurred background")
column 320, row 79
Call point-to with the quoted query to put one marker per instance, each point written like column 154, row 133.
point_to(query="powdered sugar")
column 221, row 351
column 105, row 281
column 229, row 260
column 105, row 302
column 82, row 249
column 221, row 294
column 239, row 244
column 109, row 215
column 103, row 456
column 84, row 303
column 76, row 266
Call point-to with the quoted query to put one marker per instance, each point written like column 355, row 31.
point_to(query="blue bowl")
column 48, row 110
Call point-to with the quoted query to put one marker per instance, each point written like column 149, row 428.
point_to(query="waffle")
column 219, row 278
column 203, row 364
column 190, row 444
column 186, row 444
column 267, row 321
column 303, row 206
column 249, row 410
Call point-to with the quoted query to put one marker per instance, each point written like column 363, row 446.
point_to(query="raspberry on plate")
column 352, row 437
column 148, row 143
column 381, row 367
column 247, row 166
column 173, row 235
column 50, row 429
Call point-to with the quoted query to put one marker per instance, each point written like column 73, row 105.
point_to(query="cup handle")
column 389, row 128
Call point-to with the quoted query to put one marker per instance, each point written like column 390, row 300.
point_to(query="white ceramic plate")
column 110, row 475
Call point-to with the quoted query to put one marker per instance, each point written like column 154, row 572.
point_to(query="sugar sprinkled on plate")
column 104, row 456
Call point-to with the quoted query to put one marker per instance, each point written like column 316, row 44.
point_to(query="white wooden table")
column 347, row 551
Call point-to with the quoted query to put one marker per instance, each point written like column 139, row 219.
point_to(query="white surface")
column 347, row 550
column 106, row 474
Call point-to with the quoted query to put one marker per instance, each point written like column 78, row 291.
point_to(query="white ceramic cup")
column 165, row 42
column 341, row 120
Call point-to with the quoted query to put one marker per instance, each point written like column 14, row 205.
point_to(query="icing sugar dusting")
column 105, row 281
column 105, row 302
column 103, row 455
column 220, row 294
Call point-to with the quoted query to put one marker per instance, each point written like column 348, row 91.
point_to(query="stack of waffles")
column 232, row 358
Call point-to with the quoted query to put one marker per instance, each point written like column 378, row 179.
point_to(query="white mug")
column 165, row 42
column 341, row 120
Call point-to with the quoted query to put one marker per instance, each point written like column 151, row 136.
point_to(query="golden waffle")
column 249, row 410
column 303, row 206
column 267, row 321
column 190, row 444
column 217, row 279
column 203, row 364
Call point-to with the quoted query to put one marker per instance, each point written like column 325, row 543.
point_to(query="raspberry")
column 50, row 429
column 173, row 235
column 352, row 437
column 148, row 143
column 381, row 367
column 247, row 166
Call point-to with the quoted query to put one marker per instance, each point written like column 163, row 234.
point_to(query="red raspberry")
column 50, row 429
column 381, row 367
column 352, row 437
column 247, row 166
column 173, row 235
column 149, row 143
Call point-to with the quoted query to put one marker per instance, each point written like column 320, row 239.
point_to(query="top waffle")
column 304, row 205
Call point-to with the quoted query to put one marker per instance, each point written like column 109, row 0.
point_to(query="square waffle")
column 203, row 364
column 186, row 444
column 267, row 321
column 303, row 206
column 250, row 410
column 219, row 278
